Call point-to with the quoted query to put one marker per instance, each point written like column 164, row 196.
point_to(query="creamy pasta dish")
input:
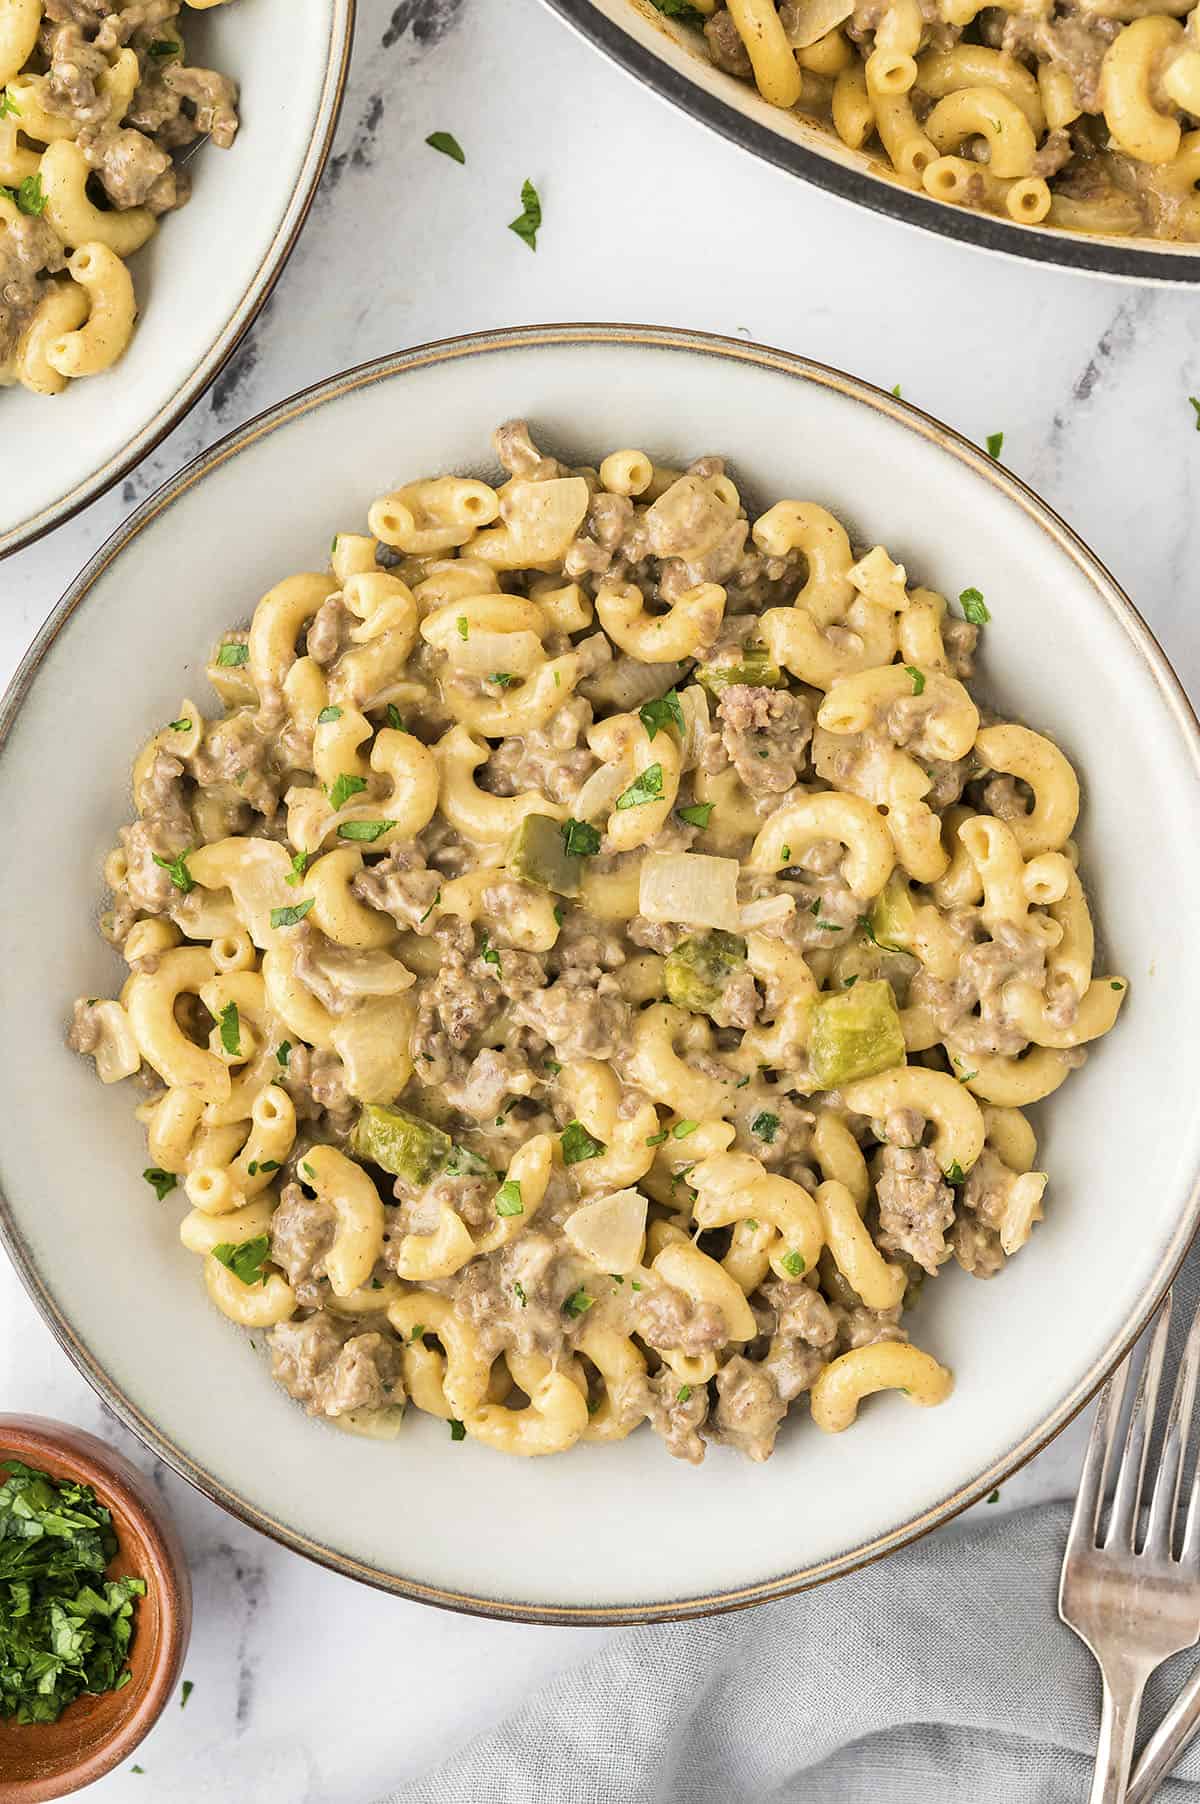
column 95, row 96
column 592, row 966
column 1081, row 113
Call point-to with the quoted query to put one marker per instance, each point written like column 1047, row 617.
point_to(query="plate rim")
column 205, row 371
column 1143, row 644
column 1077, row 252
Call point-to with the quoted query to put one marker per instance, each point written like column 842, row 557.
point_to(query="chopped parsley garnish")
column 177, row 871
column 994, row 1498
column 508, row 1198
column 488, row 953
column 656, row 1139
column 558, row 914
column 529, row 219
column 328, row 714
column 698, row 814
column 394, row 718
column 418, row 1332
column 785, row 855
column 367, row 831
column 682, row 1129
column 552, row 1066
column 634, row 1284
column 503, row 679
column 233, row 655
column 679, row 9
column 288, row 917
column 164, row 47
column 742, row 1082
column 683, row 1393
column 343, row 788
column 995, row 443
column 793, row 1264
column 185, row 1692
column 578, row 1144
column 461, row 1162
column 257, row 1165
column 647, row 786
column 299, row 866
column 974, row 607
column 30, row 197
column 896, row 392
column 464, row 627
column 519, row 1293
column 965, row 1076
column 231, row 1029
column 283, row 1052
column 766, row 1126
column 578, row 1303
column 64, row 1628
column 333, row 545
column 918, row 678
column 848, row 983
column 448, row 144
column 163, row 1181
column 245, row 1260
column 1115, row 985
column 955, row 1174
column 824, row 925
column 664, row 711
column 307, row 1169
column 180, row 726
column 8, row 105
column 457, row 1431
column 430, row 909
column 580, row 839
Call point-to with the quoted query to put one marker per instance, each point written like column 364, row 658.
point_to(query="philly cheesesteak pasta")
column 591, row 968
column 1084, row 114
column 95, row 96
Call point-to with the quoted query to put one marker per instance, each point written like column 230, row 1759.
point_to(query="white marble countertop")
column 306, row 1687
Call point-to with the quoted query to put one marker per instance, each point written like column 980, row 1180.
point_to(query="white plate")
column 669, row 57
column 603, row 1531
column 205, row 273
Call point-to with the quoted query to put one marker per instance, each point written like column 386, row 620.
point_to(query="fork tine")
column 1164, row 1501
column 1122, row 1527
column 1084, row 1521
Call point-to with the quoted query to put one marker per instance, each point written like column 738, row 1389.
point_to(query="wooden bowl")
column 94, row 1734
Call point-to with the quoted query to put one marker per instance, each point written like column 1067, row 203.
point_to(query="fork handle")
column 1175, row 1733
column 1123, row 1690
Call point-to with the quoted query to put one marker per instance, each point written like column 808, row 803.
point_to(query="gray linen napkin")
column 941, row 1675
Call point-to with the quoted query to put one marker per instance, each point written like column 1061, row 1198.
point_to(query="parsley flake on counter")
column 163, row 1181
column 529, row 219
column 578, row 1144
column 995, row 444
column 366, row 831
column 698, row 814
column 508, row 1198
column 231, row 1029
column 579, row 1302
column 457, row 1431
column 185, row 1692
column 766, row 1126
column 328, row 714
column 896, row 392
column 580, row 839
column 233, row 655
column 1196, row 404
column 288, row 917
column 974, row 607
column 246, row 1259
column 647, row 786
column 177, row 871
column 343, row 787
column 917, row 677
column 664, row 711
column 793, row 1264
column 448, row 144
column 64, row 1629
column 994, row 1498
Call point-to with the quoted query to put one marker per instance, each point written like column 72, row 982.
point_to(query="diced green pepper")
column 405, row 1145
column 854, row 1033
column 894, row 915
column 539, row 854
column 697, row 972
column 751, row 665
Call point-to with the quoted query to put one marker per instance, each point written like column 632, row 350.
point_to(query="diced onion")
column 484, row 653
column 808, row 20
column 690, row 887
column 369, row 973
column 611, row 1231
column 697, row 723
column 765, row 912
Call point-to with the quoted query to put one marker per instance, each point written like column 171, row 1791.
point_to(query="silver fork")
column 1132, row 1606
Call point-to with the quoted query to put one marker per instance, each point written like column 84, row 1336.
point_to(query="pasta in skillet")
column 593, row 966
column 1082, row 115
column 95, row 95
